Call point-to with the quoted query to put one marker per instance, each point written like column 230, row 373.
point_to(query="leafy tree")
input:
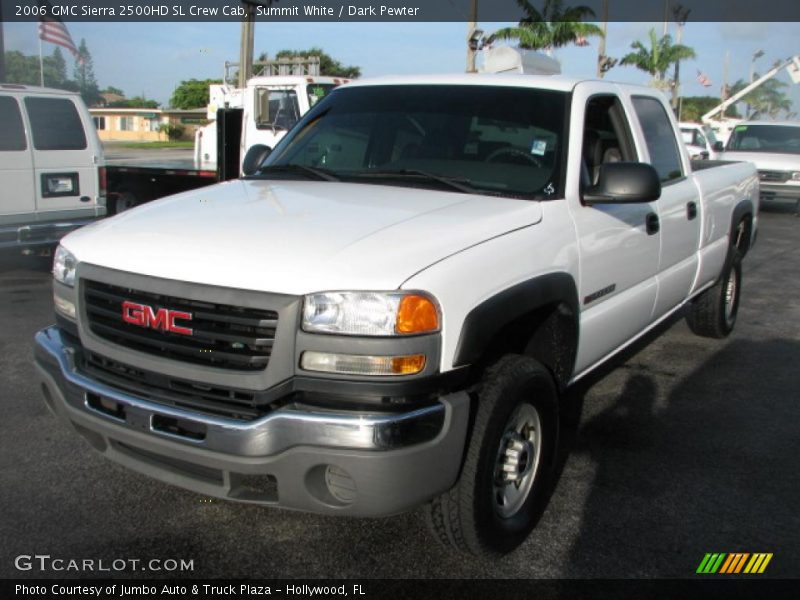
column 192, row 93
column 694, row 107
column 84, row 75
column 113, row 90
column 658, row 58
column 21, row 68
column 135, row 102
column 327, row 64
column 553, row 27
column 767, row 99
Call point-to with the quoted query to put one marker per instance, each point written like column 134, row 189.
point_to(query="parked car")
column 701, row 141
column 774, row 148
column 52, row 178
column 387, row 311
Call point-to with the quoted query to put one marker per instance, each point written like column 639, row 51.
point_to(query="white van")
column 52, row 175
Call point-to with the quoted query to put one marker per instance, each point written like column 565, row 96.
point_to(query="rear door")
column 17, row 196
column 64, row 155
column 678, row 208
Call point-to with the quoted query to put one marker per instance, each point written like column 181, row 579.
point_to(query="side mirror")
column 718, row 146
column 624, row 182
column 254, row 158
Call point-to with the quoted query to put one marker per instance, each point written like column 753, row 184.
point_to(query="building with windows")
column 145, row 124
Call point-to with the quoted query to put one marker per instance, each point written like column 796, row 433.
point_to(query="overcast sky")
column 151, row 58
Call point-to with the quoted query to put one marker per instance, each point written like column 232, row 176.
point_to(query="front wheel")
column 505, row 481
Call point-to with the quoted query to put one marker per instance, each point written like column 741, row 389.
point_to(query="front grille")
column 212, row 400
column 774, row 176
column 224, row 336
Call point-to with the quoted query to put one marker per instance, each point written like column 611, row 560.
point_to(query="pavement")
column 683, row 446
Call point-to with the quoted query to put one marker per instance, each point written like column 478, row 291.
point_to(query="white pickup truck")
column 387, row 310
column 774, row 148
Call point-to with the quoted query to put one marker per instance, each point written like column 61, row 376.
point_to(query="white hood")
column 296, row 237
column 766, row 160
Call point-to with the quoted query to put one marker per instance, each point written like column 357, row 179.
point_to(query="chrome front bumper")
column 392, row 461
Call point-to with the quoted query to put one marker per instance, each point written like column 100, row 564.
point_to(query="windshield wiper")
column 460, row 185
column 321, row 174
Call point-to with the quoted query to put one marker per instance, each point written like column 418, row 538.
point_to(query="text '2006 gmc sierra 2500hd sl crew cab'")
column 386, row 310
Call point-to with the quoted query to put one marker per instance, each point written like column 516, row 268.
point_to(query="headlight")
column 64, row 265
column 796, row 176
column 370, row 313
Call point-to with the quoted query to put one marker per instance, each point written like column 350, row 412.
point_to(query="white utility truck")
column 387, row 310
column 52, row 178
column 260, row 113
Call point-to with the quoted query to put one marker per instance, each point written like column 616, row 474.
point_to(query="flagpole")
column 41, row 62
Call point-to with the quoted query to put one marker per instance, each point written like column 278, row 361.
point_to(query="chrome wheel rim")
column 517, row 461
column 730, row 297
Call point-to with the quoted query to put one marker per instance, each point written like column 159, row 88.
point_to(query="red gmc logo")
column 142, row 315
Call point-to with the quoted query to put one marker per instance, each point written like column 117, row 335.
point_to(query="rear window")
column 12, row 132
column 55, row 124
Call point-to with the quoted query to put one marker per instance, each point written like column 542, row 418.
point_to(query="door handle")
column 653, row 225
column 691, row 210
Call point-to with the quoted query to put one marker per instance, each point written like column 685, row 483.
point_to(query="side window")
column 699, row 140
column 12, row 131
column 660, row 139
column 606, row 136
column 55, row 124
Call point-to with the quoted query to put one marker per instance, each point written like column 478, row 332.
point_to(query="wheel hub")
column 517, row 461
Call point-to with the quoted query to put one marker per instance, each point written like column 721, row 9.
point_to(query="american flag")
column 702, row 79
column 52, row 30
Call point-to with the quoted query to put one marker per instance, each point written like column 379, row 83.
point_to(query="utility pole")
column 246, row 45
column 2, row 54
column 681, row 15
column 472, row 41
column 601, row 48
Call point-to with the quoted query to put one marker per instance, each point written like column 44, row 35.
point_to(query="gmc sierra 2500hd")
column 386, row 310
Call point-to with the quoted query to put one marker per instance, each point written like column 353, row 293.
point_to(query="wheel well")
column 743, row 241
column 549, row 334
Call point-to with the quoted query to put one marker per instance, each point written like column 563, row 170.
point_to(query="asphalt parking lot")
column 685, row 447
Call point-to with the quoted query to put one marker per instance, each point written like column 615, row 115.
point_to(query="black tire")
column 713, row 313
column 123, row 201
column 467, row 518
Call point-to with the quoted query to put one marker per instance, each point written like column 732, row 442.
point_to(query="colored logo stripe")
column 733, row 563
column 758, row 563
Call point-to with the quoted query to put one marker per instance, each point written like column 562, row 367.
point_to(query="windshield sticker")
column 549, row 190
column 740, row 128
column 538, row 147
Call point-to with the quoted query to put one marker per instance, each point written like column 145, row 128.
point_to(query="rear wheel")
column 505, row 480
column 713, row 313
column 124, row 201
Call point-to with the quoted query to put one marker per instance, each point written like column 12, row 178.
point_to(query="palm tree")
column 769, row 98
column 552, row 28
column 658, row 58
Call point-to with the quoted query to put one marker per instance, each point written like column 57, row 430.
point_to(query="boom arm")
column 738, row 96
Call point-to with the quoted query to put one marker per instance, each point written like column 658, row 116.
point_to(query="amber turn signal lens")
column 408, row 365
column 416, row 314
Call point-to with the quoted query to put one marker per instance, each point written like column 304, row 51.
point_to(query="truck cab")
column 52, row 178
column 271, row 105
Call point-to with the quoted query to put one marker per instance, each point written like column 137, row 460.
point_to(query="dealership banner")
column 393, row 589
column 386, row 10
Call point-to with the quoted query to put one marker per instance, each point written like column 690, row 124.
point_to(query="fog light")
column 352, row 364
column 65, row 307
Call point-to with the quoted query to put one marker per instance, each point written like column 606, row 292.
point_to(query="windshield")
column 473, row 139
column 783, row 139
